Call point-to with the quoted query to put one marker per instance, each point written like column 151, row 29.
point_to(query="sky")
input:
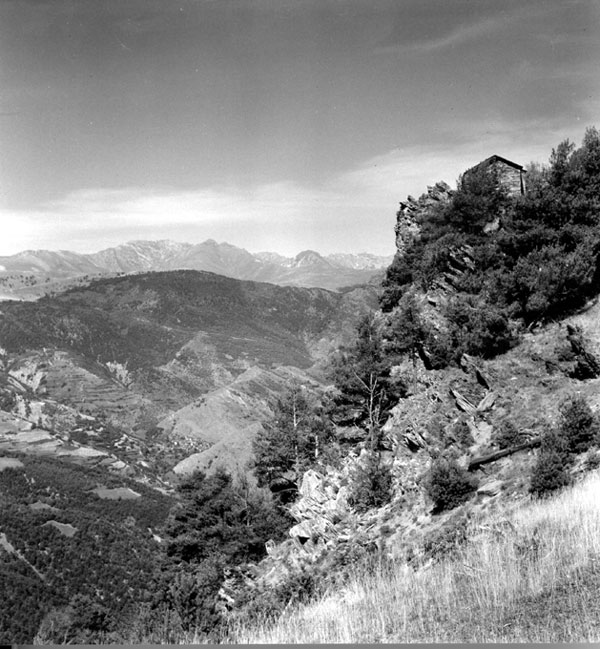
column 273, row 125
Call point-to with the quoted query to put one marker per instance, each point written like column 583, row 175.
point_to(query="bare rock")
column 414, row 440
column 481, row 431
column 469, row 365
column 463, row 403
column 312, row 486
column 491, row 488
column 487, row 403
column 407, row 228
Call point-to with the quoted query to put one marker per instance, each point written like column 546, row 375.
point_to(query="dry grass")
column 532, row 575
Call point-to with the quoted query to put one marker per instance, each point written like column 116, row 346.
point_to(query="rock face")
column 407, row 228
column 326, row 527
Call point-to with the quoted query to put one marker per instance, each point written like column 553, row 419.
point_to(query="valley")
column 134, row 364
column 132, row 383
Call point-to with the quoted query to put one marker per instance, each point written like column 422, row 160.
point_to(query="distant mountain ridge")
column 31, row 273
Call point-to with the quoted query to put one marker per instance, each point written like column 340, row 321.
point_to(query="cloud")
column 541, row 20
column 466, row 32
column 459, row 35
column 350, row 211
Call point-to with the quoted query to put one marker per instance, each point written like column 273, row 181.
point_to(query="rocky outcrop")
column 326, row 527
column 407, row 218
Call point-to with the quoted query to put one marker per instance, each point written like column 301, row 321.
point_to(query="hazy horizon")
column 193, row 243
column 278, row 125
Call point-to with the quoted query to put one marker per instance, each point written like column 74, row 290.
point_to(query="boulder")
column 490, row 488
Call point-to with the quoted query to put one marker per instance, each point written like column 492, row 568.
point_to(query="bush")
column 508, row 435
column 551, row 470
column 448, row 485
column 579, row 425
column 549, row 474
column 462, row 435
column 371, row 484
column 478, row 329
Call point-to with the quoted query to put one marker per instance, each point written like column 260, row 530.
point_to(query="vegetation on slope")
column 528, row 575
column 144, row 319
column 542, row 261
column 68, row 541
column 491, row 265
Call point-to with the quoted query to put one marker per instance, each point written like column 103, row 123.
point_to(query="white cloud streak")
column 353, row 211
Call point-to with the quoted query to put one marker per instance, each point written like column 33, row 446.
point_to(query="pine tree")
column 362, row 375
column 292, row 440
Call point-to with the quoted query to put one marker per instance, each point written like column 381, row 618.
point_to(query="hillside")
column 476, row 389
column 33, row 273
column 525, row 574
column 344, row 472
column 125, row 387
column 140, row 352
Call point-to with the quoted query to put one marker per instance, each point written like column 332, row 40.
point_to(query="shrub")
column 549, row 474
column 448, row 484
column 478, row 329
column 508, row 435
column 579, row 425
column 371, row 484
column 551, row 470
column 462, row 434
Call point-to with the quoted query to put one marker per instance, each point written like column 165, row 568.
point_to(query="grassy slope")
column 530, row 574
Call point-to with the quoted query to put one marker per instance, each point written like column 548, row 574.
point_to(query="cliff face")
column 407, row 217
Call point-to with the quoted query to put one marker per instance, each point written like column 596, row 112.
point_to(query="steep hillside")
column 526, row 574
column 412, row 485
column 473, row 396
column 455, row 413
column 119, row 390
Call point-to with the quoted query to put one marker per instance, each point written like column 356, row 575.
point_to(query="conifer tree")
column 293, row 440
column 362, row 375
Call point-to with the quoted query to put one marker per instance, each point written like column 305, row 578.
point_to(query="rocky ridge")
column 407, row 218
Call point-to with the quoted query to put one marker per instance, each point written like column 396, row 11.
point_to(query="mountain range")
column 31, row 273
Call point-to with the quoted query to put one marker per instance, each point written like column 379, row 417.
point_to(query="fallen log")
column 476, row 462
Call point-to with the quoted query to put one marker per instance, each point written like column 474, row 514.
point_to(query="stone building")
column 510, row 174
